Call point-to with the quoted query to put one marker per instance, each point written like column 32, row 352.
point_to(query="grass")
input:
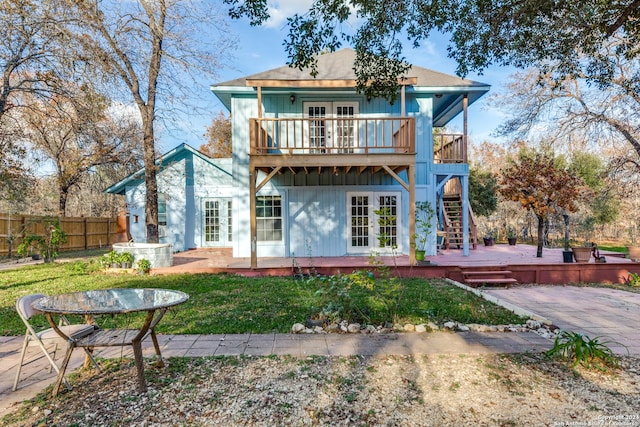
column 232, row 304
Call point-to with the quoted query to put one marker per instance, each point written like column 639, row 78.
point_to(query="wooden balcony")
column 449, row 148
column 342, row 142
column 332, row 142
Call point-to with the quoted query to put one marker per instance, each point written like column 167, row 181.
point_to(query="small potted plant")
column 125, row 259
column 48, row 245
column 511, row 236
column 424, row 218
column 567, row 253
column 143, row 266
column 111, row 259
column 489, row 237
column 583, row 253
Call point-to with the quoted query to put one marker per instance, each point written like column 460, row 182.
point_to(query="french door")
column 373, row 221
column 218, row 227
column 339, row 134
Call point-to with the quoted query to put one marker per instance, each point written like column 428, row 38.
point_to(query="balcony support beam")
column 253, row 229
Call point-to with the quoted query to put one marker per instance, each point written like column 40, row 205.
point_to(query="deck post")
column 411, row 175
column 252, row 216
column 465, row 108
column 465, row 214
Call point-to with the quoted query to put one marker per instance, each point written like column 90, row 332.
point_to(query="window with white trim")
column 162, row 209
column 269, row 218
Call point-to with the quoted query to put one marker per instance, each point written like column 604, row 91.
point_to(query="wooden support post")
column 411, row 175
column 465, row 107
column 252, row 215
column 86, row 234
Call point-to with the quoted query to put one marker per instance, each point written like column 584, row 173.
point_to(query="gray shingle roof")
column 339, row 66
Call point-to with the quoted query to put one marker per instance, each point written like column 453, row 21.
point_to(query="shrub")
column 632, row 280
column 580, row 349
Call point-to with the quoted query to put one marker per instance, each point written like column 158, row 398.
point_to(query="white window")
column 162, row 210
column 269, row 218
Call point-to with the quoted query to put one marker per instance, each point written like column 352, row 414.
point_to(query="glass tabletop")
column 110, row 301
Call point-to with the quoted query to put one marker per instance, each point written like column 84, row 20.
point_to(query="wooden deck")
column 520, row 260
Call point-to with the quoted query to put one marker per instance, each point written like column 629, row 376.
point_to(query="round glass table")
column 155, row 302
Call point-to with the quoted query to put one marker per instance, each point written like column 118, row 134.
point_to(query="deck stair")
column 477, row 278
column 452, row 223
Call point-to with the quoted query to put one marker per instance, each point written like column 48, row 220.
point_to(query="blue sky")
column 261, row 48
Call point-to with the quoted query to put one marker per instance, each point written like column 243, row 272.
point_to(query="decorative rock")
column 333, row 327
column 319, row 330
column 409, row 327
column 421, row 328
column 533, row 324
column 462, row 328
column 353, row 328
column 449, row 325
column 481, row 328
column 432, row 326
column 343, row 328
column 308, row 331
column 297, row 328
column 370, row 329
column 398, row 327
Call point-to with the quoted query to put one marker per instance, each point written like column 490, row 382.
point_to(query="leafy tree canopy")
column 541, row 184
column 505, row 32
column 482, row 191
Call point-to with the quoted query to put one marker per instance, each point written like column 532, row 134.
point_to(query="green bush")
column 580, row 349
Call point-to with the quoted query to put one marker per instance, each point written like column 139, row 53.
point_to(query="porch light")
column 292, row 98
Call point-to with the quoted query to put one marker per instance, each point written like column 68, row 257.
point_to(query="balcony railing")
column 352, row 135
column 449, row 148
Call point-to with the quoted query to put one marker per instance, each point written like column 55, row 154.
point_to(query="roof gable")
column 120, row 187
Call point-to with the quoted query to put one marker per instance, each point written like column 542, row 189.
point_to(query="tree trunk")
column 540, row 236
column 62, row 201
column 151, row 205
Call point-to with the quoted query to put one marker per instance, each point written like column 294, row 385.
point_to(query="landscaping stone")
column 353, row 328
column 297, row 328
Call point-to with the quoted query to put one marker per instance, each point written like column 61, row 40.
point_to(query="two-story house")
column 318, row 169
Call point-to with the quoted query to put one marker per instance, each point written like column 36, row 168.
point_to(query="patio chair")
column 48, row 336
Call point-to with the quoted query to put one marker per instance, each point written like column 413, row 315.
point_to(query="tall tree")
column 29, row 57
column 536, row 181
column 482, row 191
column 580, row 108
column 148, row 45
column 507, row 32
column 218, row 137
column 77, row 135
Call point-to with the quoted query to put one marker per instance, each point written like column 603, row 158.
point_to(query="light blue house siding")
column 186, row 181
column 315, row 205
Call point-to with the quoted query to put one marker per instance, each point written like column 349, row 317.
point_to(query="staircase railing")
column 450, row 231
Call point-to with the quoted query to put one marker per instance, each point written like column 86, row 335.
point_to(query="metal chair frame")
column 77, row 331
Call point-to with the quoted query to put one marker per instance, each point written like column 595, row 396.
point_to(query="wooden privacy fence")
column 82, row 233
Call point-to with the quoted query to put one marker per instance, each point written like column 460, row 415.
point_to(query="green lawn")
column 234, row 304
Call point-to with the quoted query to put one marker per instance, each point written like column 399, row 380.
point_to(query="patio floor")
column 520, row 259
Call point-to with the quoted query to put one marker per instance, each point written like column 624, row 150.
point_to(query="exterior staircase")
column 478, row 278
column 452, row 223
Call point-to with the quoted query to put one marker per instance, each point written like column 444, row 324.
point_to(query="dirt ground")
column 443, row 390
